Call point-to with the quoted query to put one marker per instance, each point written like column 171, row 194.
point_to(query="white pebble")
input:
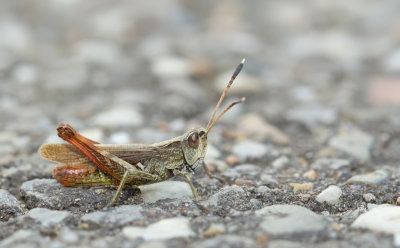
column 330, row 195
column 249, row 150
column 165, row 190
column 164, row 229
column 117, row 116
column 384, row 218
column 280, row 162
column 120, row 138
column 368, row 197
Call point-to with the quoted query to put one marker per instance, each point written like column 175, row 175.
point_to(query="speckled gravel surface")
column 311, row 159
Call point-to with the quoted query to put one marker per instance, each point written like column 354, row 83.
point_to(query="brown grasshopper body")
column 87, row 162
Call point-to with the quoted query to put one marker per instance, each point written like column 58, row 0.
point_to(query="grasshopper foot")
column 110, row 204
column 212, row 176
column 220, row 179
column 202, row 208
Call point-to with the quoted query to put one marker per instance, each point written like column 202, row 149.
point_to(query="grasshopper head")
column 194, row 145
column 194, row 142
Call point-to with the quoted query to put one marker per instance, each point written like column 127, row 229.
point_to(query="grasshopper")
column 87, row 162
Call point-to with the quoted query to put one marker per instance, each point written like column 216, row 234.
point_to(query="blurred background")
column 144, row 71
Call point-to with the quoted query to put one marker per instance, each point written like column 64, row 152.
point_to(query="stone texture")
column 164, row 229
column 257, row 128
column 118, row 216
column 47, row 217
column 227, row 197
column 119, row 116
column 355, row 143
column 249, row 150
column 166, row 190
column 373, row 178
column 384, row 218
column 313, row 115
column 301, row 186
column 290, row 220
column 9, row 206
column 330, row 195
column 227, row 241
column 49, row 193
column 30, row 191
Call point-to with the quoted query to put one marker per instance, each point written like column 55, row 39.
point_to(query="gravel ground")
column 311, row 159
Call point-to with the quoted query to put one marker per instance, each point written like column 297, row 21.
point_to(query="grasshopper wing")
column 68, row 154
column 62, row 153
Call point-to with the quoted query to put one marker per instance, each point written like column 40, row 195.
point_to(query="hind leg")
column 81, row 175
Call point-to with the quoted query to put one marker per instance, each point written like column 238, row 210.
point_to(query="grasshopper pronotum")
column 87, row 162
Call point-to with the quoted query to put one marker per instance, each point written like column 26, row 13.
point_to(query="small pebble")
column 68, row 236
column 396, row 240
column 330, row 163
column 226, row 240
column 383, row 218
column 231, row 159
column 240, row 181
column 255, row 127
column 353, row 142
column 93, row 134
column 311, row 174
column 392, row 63
column 313, row 115
column 280, row 162
column 119, row 116
column 153, row 244
column 212, row 153
column 268, row 179
column 9, row 206
column 214, row 229
column 228, row 197
column 290, row 220
column 249, row 150
column 262, row 240
column 98, row 51
column 337, row 227
column 248, row 169
column 368, row 197
column 47, row 217
column 303, row 93
column 119, row 215
column 373, row 179
column 262, row 189
column 301, row 186
column 165, row 190
column 168, row 66
column 26, row 74
column 119, row 138
column 330, row 195
column 384, row 91
column 164, row 229
column 304, row 197
column 257, row 204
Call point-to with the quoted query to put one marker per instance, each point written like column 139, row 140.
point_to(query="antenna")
column 211, row 122
column 223, row 112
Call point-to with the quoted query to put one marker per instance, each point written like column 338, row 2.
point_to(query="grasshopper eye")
column 202, row 133
column 193, row 140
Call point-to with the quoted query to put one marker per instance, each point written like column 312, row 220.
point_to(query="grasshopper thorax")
column 194, row 145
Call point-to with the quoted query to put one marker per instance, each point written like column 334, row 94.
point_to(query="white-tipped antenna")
column 211, row 122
